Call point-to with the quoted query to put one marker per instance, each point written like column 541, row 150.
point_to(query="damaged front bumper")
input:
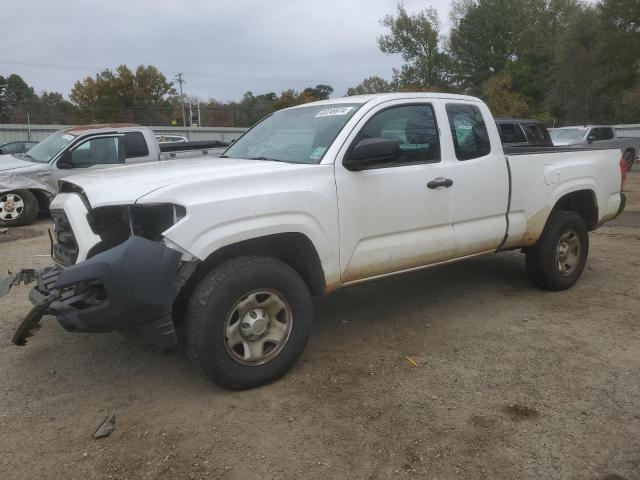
column 129, row 288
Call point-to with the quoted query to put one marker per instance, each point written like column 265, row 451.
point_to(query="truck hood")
column 125, row 185
column 9, row 162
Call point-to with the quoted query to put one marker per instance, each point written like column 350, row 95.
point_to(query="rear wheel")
column 630, row 158
column 558, row 258
column 248, row 321
column 19, row 207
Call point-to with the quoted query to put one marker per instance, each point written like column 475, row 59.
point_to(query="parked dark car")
column 16, row 147
column 515, row 132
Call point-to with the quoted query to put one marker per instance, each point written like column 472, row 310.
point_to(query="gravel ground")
column 511, row 382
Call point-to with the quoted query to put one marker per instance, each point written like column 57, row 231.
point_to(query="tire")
column 630, row 157
column 555, row 250
column 223, row 302
column 18, row 208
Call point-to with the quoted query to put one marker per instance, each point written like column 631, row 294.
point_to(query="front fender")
column 212, row 238
column 24, row 181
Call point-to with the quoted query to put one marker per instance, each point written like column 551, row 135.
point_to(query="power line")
column 172, row 71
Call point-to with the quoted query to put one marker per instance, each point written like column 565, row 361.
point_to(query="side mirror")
column 65, row 161
column 591, row 138
column 370, row 152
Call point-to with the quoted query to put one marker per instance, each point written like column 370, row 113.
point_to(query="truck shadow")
column 400, row 302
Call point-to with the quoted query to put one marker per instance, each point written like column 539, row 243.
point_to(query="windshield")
column 297, row 135
column 568, row 133
column 44, row 151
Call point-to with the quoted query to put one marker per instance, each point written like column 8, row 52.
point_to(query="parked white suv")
column 312, row 199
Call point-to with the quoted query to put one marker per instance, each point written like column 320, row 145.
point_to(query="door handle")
column 44, row 174
column 440, row 182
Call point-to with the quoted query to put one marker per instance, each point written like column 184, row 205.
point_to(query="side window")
column 469, row 132
column 511, row 133
column 600, row 134
column 97, row 151
column 15, row 147
column 607, row 133
column 537, row 133
column 135, row 145
column 413, row 126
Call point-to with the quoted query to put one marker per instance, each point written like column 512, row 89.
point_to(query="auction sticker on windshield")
column 332, row 112
column 67, row 137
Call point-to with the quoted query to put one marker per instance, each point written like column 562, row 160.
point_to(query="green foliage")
column 417, row 39
column 499, row 94
column 124, row 96
column 371, row 85
column 563, row 60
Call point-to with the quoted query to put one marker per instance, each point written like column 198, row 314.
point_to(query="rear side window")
column 607, row 133
column 469, row 132
column 537, row 133
column 135, row 145
column 511, row 133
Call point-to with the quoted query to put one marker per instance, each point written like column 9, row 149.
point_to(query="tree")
column 141, row 97
column 578, row 72
column 416, row 38
column 619, row 52
column 319, row 92
column 499, row 94
column 370, row 85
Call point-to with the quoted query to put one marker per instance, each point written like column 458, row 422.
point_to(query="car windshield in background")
column 568, row 133
column 44, row 151
column 298, row 135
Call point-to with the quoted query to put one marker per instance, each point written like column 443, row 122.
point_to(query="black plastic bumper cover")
column 129, row 288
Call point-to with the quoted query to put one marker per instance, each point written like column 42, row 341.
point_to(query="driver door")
column 93, row 153
column 392, row 216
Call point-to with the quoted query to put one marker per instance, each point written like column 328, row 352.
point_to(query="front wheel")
column 248, row 321
column 557, row 259
column 17, row 208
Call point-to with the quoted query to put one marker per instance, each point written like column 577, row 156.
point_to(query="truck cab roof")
column 100, row 127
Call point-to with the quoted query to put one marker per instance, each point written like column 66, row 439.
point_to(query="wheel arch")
column 43, row 197
column 584, row 202
column 293, row 248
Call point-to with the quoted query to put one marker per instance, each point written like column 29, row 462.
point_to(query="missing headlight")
column 115, row 224
column 149, row 221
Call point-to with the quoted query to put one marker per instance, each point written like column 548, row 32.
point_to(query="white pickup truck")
column 28, row 181
column 312, row 199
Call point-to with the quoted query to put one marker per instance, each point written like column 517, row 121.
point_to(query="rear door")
column 392, row 216
column 480, row 182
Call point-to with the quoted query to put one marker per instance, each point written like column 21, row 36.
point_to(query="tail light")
column 623, row 172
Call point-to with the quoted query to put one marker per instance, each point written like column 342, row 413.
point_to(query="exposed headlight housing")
column 115, row 224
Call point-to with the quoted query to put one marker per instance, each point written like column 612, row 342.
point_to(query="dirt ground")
column 511, row 382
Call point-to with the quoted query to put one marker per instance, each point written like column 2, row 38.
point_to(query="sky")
column 223, row 47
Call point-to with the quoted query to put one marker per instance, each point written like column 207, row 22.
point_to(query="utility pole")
column 180, row 81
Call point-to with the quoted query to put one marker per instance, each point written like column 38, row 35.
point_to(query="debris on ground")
column 107, row 426
column 4, row 230
column 411, row 361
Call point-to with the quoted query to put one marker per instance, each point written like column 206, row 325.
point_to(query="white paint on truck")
column 369, row 223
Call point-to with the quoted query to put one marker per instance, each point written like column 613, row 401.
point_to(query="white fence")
column 17, row 132
column 627, row 130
